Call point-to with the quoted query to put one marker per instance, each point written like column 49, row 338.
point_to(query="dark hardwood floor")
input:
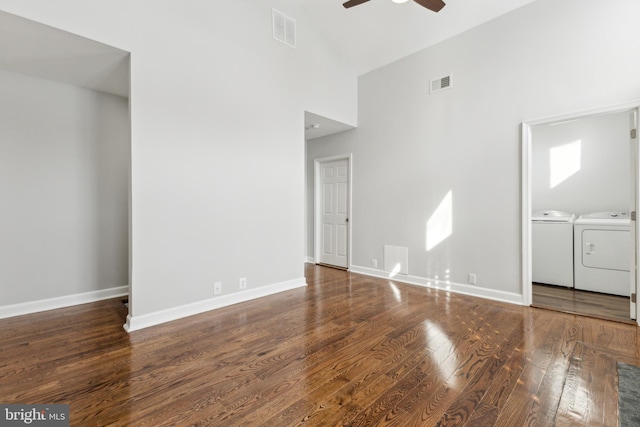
column 575, row 301
column 347, row 350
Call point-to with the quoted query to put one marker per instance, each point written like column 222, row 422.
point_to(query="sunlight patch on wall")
column 440, row 225
column 564, row 161
column 396, row 269
column 396, row 260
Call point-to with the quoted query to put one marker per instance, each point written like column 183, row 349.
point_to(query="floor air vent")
column 284, row 28
column 441, row 84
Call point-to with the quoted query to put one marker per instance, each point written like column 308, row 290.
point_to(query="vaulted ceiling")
column 367, row 36
column 379, row 32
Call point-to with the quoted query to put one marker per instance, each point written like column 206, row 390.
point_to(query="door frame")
column 317, row 204
column 526, row 168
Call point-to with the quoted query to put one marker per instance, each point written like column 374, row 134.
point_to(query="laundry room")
column 581, row 194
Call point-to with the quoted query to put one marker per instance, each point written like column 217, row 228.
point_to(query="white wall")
column 582, row 166
column 217, row 138
column 64, row 172
column 411, row 148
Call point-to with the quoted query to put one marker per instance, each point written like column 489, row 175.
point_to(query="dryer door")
column 606, row 249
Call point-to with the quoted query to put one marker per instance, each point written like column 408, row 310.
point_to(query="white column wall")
column 217, row 137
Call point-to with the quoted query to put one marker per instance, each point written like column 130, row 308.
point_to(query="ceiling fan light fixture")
column 432, row 5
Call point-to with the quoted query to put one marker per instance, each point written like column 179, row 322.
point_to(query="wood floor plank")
column 462, row 372
column 470, row 398
column 575, row 301
column 483, row 416
column 543, row 410
column 591, row 375
column 505, row 381
column 345, row 350
column 522, row 399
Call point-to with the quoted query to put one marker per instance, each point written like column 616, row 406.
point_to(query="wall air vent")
column 284, row 28
column 441, row 84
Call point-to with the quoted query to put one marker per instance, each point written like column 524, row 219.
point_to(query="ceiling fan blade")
column 352, row 3
column 434, row 5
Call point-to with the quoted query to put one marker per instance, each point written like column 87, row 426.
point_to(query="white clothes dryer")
column 602, row 249
column 552, row 248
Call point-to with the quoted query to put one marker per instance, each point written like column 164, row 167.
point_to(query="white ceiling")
column 316, row 126
column 31, row 48
column 379, row 32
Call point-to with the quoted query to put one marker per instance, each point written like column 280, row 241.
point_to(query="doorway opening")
column 65, row 171
column 581, row 169
column 321, row 147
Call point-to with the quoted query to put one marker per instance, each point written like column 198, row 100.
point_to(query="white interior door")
column 635, row 186
column 333, row 213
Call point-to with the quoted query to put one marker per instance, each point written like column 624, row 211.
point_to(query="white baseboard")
column 459, row 288
column 61, row 302
column 310, row 260
column 135, row 323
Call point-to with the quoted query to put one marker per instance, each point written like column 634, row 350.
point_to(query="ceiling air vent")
column 284, row 28
column 441, row 84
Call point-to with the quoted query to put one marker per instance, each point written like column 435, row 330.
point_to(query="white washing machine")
column 552, row 247
column 603, row 252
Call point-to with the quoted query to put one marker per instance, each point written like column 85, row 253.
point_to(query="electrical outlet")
column 472, row 278
column 217, row 288
column 374, row 263
column 243, row 283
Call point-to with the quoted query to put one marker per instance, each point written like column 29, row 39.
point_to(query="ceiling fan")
column 434, row 5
